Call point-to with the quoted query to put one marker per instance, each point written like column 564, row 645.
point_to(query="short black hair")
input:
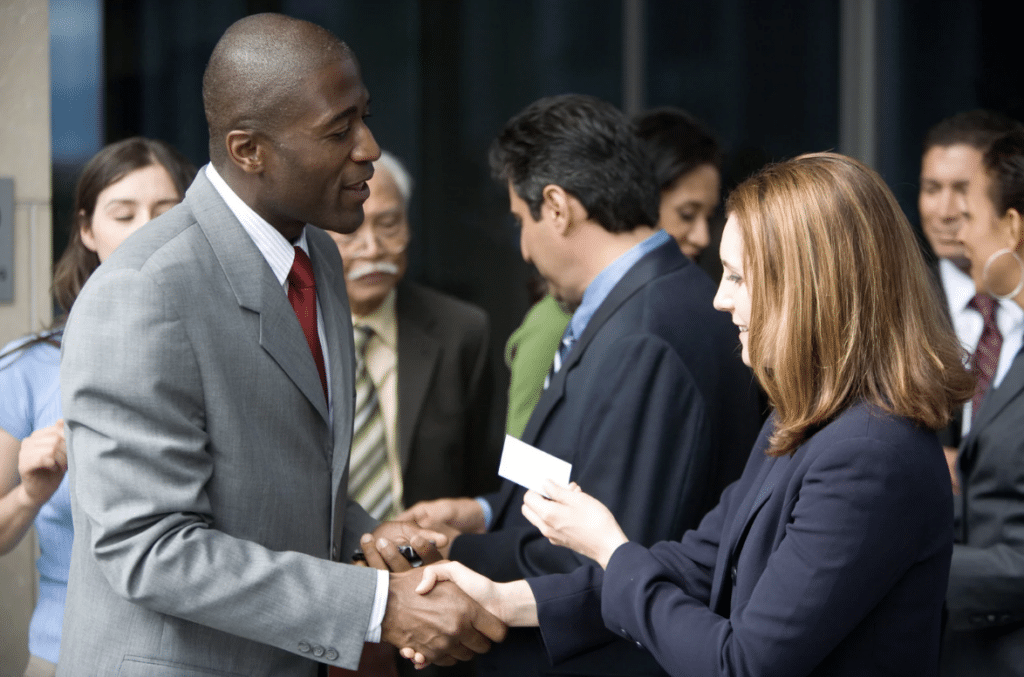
column 1005, row 161
column 586, row 146
column 975, row 128
column 677, row 142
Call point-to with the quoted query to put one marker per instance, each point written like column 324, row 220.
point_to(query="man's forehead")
column 959, row 162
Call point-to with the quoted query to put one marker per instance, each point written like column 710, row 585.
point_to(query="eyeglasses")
column 390, row 234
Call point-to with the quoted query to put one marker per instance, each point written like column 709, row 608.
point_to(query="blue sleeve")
column 19, row 383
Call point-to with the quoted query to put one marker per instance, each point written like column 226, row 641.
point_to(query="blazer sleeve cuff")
column 569, row 612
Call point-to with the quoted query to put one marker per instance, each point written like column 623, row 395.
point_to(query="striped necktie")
column 369, row 481
column 564, row 346
column 985, row 359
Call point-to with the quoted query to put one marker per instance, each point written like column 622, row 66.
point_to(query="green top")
column 528, row 354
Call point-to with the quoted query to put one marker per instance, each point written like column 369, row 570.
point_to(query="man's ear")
column 556, row 202
column 245, row 151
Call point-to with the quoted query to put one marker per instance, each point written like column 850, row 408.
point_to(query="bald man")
column 208, row 385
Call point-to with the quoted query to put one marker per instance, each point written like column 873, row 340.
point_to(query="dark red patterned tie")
column 986, row 356
column 302, row 296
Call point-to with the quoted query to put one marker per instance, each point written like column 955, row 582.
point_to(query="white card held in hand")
column 529, row 466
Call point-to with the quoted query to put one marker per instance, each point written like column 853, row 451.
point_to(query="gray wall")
column 25, row 156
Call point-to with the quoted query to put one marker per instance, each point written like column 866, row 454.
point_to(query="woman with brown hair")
column 830, row 555
column 122, row 187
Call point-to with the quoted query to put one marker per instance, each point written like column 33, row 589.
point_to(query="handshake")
column 444, row 612
column 430, row 618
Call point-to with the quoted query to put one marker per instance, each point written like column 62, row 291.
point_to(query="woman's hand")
column 42, row 462
column 513, row 603
column 576, row 520
column 477, row 586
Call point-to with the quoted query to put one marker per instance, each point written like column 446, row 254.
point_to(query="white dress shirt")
column 968, row 324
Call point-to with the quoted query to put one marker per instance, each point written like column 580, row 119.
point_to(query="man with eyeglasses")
column 423, row 379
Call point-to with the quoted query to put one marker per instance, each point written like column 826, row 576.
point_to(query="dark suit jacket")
column 652, row 407
column 986, row 582
column 832, row 561
column 444, row 396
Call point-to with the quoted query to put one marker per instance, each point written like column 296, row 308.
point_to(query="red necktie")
column 302, row 296
column 986, row 356
column 377, row 659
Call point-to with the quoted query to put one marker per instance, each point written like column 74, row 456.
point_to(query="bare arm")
column 30, row 472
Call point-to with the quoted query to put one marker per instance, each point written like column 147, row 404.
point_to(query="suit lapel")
column 656, row 263
column 996, row 400
column 661, row 261
column 337, row 331
column 256, row 289
column 340, row 352
column 760, row 491
column 418, row 354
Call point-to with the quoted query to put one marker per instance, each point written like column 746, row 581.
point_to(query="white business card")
column 528, row 466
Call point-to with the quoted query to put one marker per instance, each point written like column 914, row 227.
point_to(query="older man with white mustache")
column 423, row 379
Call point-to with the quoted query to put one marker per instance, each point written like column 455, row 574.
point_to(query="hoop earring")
column 988, row 264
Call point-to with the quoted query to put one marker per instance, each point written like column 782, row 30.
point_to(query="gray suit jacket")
column 444, row 396
column 986, row 580
column 208, row 484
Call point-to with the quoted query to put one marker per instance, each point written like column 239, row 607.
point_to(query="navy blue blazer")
column 656, row 412
column 831, row 561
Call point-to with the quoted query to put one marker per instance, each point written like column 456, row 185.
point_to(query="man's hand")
column 381, row 547
column 458, row 515
column 442, row 626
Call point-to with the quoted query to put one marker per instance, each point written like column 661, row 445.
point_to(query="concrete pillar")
column 24, row 156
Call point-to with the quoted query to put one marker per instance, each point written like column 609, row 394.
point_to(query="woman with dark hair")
column 122, row 187
column 830, row 554
column 985, row 634
column 688, row 166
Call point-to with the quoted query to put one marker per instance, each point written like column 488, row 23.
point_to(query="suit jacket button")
column 318, row 651
column 733, row 574
column 639, row 645
column 991, row 618
column 331, row 654
column 304, row 646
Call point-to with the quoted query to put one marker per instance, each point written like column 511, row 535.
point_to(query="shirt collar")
column 958, row 285
column 278, row 251
column 960, row 289
column 382, row 321
column 599, row 288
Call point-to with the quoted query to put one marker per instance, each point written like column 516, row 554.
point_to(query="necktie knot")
column 302, row 297
column 361, row 337
column 986, row 305
column 301, row 274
